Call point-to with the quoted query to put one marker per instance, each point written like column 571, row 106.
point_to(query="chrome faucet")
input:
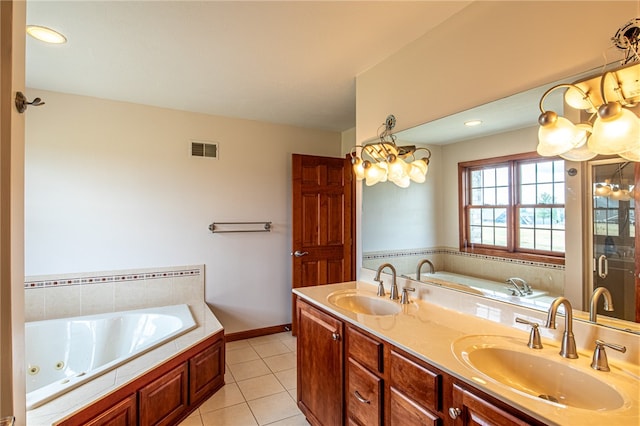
column 393, row 294
column 593, row 308
column 419, row 269
column 599, row 361
column 519, row 291
column 568, row 347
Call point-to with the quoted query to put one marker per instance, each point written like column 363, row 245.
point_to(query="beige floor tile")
column 287, row 378
column 259, row 387
column 298, row 420
column 227, row 396
column 281, row 362
column 228, row 376
column 238, row 344
column 194, row 419
column 271, row 349
column 294, row 393
column 263, row 339
column 236, row 356
column 273, row 408
column 236, row 415
column 249, row 369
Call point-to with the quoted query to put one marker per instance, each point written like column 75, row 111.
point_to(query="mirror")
column 403, row 226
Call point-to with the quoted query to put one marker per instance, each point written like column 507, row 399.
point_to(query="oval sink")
column 356, row 302
column 536, row 375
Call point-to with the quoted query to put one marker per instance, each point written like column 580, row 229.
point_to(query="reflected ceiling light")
column 46, row 34
column 383, row 160
column 616, row 187
column 612, row 128
column 472, row 123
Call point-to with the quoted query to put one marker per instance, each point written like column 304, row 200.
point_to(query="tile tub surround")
column 542, row 276
column 68, row 295
column 445, row 315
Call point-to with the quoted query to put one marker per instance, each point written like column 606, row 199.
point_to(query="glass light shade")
column 374, row 174
column 358, row 168
column 602, row 190
column 402, row 182
column 398, row 169
column 559, row 137
column 633, row 155
column 615, row 135
column 576, row 99
column 418, row 171
column 582, row 153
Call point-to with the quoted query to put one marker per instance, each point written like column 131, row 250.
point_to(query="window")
column 513, row 206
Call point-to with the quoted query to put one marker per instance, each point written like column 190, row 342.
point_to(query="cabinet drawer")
column 364, row 396
column 365, row 350
column 405, row 412
column 416, row 381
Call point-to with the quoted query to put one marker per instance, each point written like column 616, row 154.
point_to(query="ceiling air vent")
column 204, row 149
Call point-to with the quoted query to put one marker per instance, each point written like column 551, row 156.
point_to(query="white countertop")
column 428, row 330
column 77, row 399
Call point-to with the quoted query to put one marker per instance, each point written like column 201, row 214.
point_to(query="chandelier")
column 611, row 127
column 383, row 160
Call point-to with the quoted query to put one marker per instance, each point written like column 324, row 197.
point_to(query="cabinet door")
column 165, row 399
column 320, row 367
column 122, row 414
column 471, row 409
column 206, row 372
column 364, row 395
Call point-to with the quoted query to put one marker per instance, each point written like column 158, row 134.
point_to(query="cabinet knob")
column 454, row 412
column 335, row 336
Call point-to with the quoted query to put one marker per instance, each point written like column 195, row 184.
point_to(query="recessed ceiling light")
column 45, row 34
column 472, row 123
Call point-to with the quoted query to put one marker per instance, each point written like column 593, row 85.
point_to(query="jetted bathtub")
column 62, row 354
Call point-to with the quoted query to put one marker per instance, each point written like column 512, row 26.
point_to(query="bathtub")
column 482, row 287
column 62, row 354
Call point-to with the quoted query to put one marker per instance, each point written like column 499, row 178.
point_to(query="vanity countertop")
column 438, row 317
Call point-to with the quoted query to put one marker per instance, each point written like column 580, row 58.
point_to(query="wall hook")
column 22, row 103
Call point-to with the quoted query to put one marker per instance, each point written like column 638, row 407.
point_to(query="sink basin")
column 535, row 374
column 363, row 303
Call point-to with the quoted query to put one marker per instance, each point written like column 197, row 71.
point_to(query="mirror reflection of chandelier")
column 612, row 127
column 617, row 187
column 383, row 160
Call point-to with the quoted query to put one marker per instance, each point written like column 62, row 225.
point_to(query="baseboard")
column 241, row 335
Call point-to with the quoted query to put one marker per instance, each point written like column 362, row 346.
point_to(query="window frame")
column 464, row 199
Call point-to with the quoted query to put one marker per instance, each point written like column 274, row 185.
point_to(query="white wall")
column 111, row 185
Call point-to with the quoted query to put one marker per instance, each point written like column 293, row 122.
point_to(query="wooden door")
column 323, row 251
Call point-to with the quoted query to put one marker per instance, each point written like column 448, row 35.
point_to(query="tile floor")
column 260, row 386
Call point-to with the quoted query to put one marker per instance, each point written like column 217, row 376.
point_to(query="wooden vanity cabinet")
column 164, row 395
column 380, row 384
column 320, row 379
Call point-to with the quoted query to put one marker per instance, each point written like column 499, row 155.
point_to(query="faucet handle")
column 534, row 336
column 405, row 297
column 381, row 288
column 599, row 361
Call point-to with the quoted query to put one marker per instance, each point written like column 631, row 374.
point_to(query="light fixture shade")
column 602, row 190
column 374, row 174
column 45, row 34
column 633, row 155
column 358, row 168
column 559, row 137
column 620, row 133
column 418, row 171
column 402, row 182
column 576, row 99
column 398, row 169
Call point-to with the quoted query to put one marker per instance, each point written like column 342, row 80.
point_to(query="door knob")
column 299, row 253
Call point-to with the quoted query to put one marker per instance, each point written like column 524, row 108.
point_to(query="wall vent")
column 204, row 149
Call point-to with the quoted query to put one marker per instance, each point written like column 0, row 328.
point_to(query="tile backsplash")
column 69, row 295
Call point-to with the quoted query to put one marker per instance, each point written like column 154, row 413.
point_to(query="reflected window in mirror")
column 513, row 207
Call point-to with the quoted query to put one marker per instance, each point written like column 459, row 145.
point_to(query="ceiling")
column 282, row 62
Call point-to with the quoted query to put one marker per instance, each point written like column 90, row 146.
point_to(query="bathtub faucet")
column 419, row 269
column 394, row 286
column 517, row 290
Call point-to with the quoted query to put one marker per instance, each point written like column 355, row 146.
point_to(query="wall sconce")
column 612, row 128
column 383, row 160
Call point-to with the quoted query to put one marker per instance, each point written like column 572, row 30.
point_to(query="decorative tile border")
column 454, row 252
column 110, row 278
